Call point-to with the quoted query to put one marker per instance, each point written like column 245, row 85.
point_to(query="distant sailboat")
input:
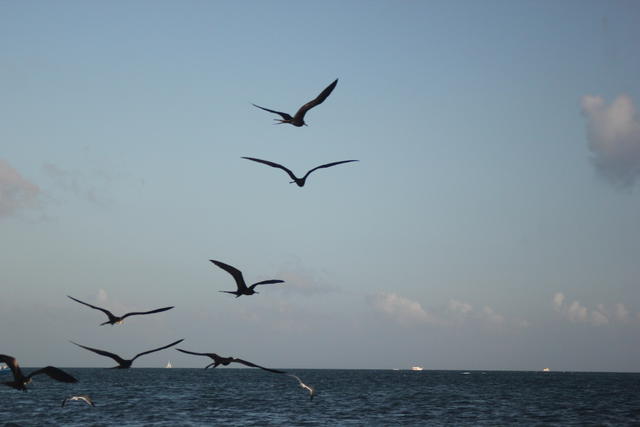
column 417, row 368
column 168, row 365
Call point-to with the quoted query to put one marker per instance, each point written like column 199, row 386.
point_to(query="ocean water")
column 251, row 397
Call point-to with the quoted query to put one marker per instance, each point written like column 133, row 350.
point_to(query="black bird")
column 123, row 363
column 298, row 119
column 20, row 381
column 224, row 361
column 312, row 391
column 118, row 320
column 299, row 181
column 242, row 286
column 83, row 398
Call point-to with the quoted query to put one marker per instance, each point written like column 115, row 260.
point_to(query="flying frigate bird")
column 298, row 118
column 124, row 363
column 299, row 181
column 20, row 381
column 118, row 320
column 312, row 391
column 225, row 361
column 82, row 398
column 242, row 286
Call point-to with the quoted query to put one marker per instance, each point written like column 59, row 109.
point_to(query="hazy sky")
column 493, row 221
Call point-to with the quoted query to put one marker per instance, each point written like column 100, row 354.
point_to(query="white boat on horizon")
column 417, row 368
column 168, row 365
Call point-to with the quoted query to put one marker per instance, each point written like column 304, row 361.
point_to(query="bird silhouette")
column 125, row 363
column 225, row 361
column 298, row 118
column 118, row 320
column 82, row 398
column 312, row 391
column 20, row 381
column 242, row 286
column 299, row 181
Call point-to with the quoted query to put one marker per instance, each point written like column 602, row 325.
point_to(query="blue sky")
column 491, row 223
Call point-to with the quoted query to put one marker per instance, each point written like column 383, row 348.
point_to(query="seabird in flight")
column 117, row 320
column 312, row 391
column 299, row 181
column 242, row 286
column 224, row 361
column 298, row 119
column 123, row 363
column 20, row 381
column 83, row 398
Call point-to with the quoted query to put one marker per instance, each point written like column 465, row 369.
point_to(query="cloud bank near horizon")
column 406, row 312
column 575, row 312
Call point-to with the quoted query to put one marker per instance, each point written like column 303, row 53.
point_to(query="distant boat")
column 168, row 365
column 546, row 370
column 417, row 368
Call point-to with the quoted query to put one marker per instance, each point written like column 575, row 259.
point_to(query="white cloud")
column 577, row 313
column 400, row 309
column 456, row 306
column 16, row 193
column 598, row 318
column 613, row 133
column 406, row 311
column 558, row 299
column 492, row 316
column 622, row 314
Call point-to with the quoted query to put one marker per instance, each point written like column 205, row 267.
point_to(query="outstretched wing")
column 12, row 363
column 115, row 357
column 317, row 101
column 216, row 359
column 273, row 165
column 134, row 313
column 156, row 349
column 237, row 274
column 55, row 373
column 265, row 282
column 82, row 397
column 283, row 115
column 253, row 365
column 107, row 312
column 328, row 165
column 212, row 355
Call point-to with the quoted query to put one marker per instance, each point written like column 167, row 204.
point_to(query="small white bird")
column 312, row 391
column 82, row 397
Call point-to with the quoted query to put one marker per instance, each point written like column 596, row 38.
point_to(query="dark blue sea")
column 251, row 397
